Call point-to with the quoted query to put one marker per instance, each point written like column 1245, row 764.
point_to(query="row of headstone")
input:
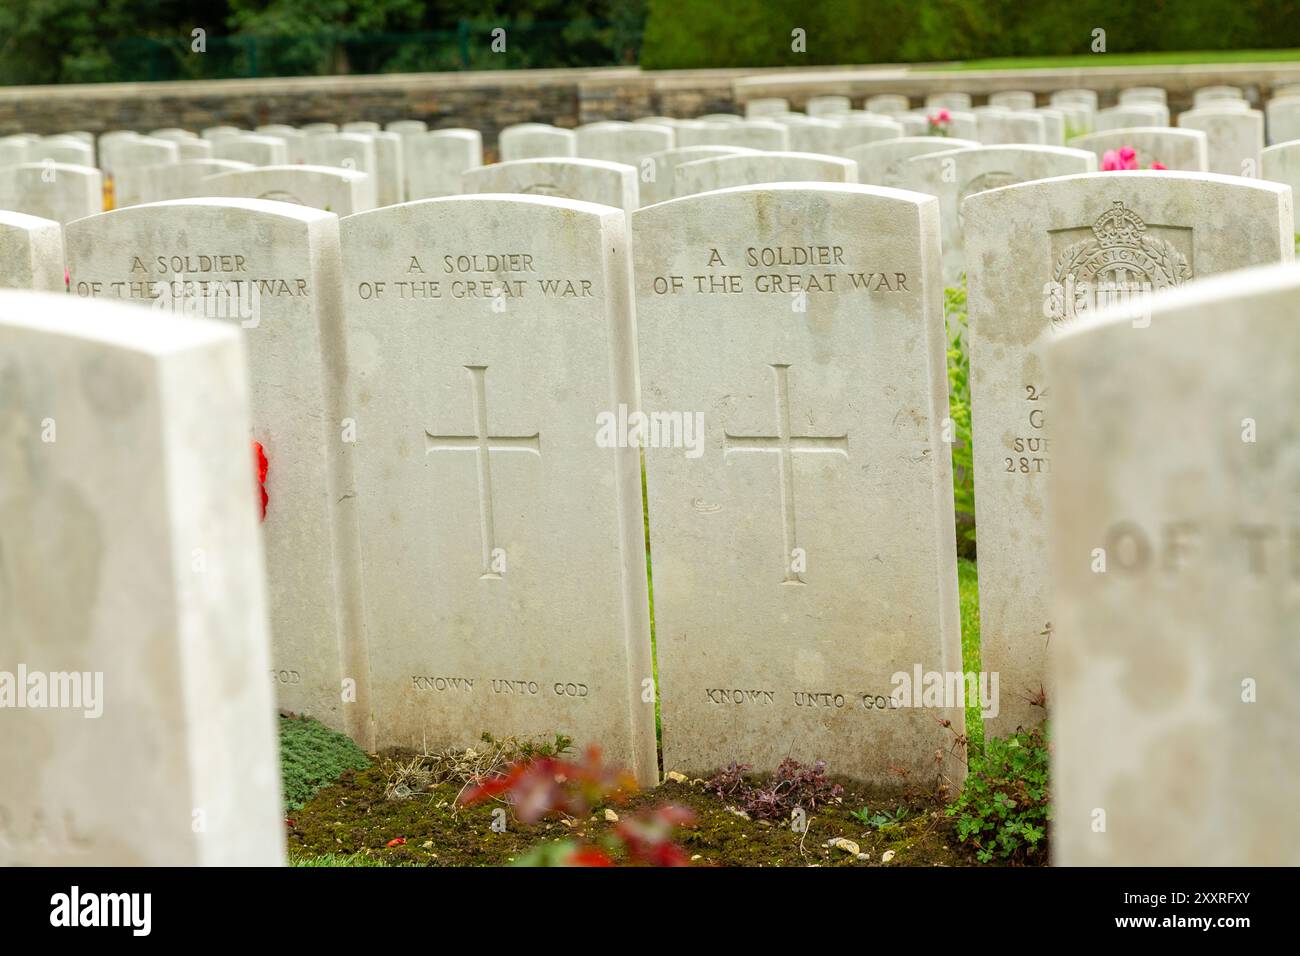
column 442, row 462
column 507, row 332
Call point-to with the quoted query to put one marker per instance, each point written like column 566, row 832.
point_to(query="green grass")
column 968, row 596
column 1162, row 58
column 340, row 859
column 312, row 756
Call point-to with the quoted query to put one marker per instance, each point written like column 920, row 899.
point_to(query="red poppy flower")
column 397, row 842
column 259, row 456
column 588, row 856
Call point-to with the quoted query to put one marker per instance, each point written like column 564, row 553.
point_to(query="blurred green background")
column 78, row 41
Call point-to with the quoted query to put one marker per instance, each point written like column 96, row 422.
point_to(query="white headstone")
column 272, row 270
column 887, row 103
column 55, row 150
column 1283, row 119
column 627, row 143
column 1281, row 164
column 1210, row 94
column 504, row 551
column 340, row 191
column 1143, row 94
column 588, row 180
column 803, row 547
column 138, row 726
column 948, row 101
column 1129, row 115
column 956, row 174
column 765, row 106
column 1174, row 669
column 748, row 169
column 656, row 181
column 31, row 253
column 1184, row 149
column 878, row 163
column 1039, row 254
column 535, row 140
column 999, row 126
column 254, row 150
column 1086, row 98
column 826, row 105
column 1234, row 138
column 435, row 161
column 52, row 191
column 1013, row 100
column 181, row 180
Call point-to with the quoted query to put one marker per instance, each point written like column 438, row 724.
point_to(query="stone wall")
column 489, row 101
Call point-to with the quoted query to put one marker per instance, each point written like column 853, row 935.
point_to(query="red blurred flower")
column 396, row 842
column 1158, row 166
column 588, row 856
column 259, row 456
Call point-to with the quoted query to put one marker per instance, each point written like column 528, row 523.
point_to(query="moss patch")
column 354, row 820
column 313, row 756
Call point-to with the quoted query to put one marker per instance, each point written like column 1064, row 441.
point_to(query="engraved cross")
column 483, row 444
column 786, row 446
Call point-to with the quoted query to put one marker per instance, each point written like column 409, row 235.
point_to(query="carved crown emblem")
column 1119, row 226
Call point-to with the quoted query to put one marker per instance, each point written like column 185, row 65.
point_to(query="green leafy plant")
column 312, row 756
column 882, row 819
column 1004, row 808
column 963, row 471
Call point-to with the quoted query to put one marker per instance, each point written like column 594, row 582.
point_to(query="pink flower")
column 944, row 116
column 1158, row 166
column 1123, row 158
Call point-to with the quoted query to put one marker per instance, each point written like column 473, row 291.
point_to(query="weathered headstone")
column 996, row 126
column 435, row 161
column 31, row 253
column 956, row 174
column 136, row 718
column 1283, row 115
column 1040, row 255
column 1174, row 668
column 948, row 101
column 887, row 103
column 181, row 180
column 52, row 190
column 749, row 169
column 656, row 180
column 1185, row 149
column 1013, row 99
column 765, row 106
column 535, row 140
column 588, row 180
column 1142, row 94
column 1212, row 94
column 826, row 105
column 505, row 552
column 61, row 150
column 131, row 156
column 271, row 269
column 340, row 191
column 628, row 143
column 803, row 546
column 1127, row 115
column 878, row 162
column 1281, row 164
column 254, row 150
column 294, row 138
column 1085, row 98
column 1234, row 138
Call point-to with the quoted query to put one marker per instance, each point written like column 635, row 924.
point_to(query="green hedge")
column 684, row 34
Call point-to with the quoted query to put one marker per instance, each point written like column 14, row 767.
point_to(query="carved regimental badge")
column 1122, row 258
